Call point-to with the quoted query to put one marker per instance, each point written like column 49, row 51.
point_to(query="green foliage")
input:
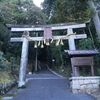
column 11, row 66
column 85, row 44
column 98, row 71
column 65, row 11
column 4, row 63
column 5, row 76
column 65, row 71
column 20, row 12
column 48, row 7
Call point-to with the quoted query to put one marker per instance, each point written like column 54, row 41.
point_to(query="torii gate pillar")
column 71, row 42
column 23, row 64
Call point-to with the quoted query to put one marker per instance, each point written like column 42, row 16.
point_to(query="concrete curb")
column 56, row 73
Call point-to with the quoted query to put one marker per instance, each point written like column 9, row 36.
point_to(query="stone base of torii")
column 70, row 36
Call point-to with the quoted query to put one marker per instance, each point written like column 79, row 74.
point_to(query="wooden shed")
column 81, row 58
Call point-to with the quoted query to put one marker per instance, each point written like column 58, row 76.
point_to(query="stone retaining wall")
column 85, row 84
column 5, row 87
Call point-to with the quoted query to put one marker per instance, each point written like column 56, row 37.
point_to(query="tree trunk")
column 95, row 17
column 36, row 62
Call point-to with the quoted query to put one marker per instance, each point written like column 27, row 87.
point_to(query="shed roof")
column 81, row 52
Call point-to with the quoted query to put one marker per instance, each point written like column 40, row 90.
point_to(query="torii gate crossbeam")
column 63, row 26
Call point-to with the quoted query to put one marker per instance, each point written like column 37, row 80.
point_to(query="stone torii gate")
column 26, row 38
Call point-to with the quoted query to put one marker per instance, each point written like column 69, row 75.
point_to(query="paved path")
column 48, row 86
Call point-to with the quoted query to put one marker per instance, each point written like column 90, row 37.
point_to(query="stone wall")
column 85, row 84
column 6, row 86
